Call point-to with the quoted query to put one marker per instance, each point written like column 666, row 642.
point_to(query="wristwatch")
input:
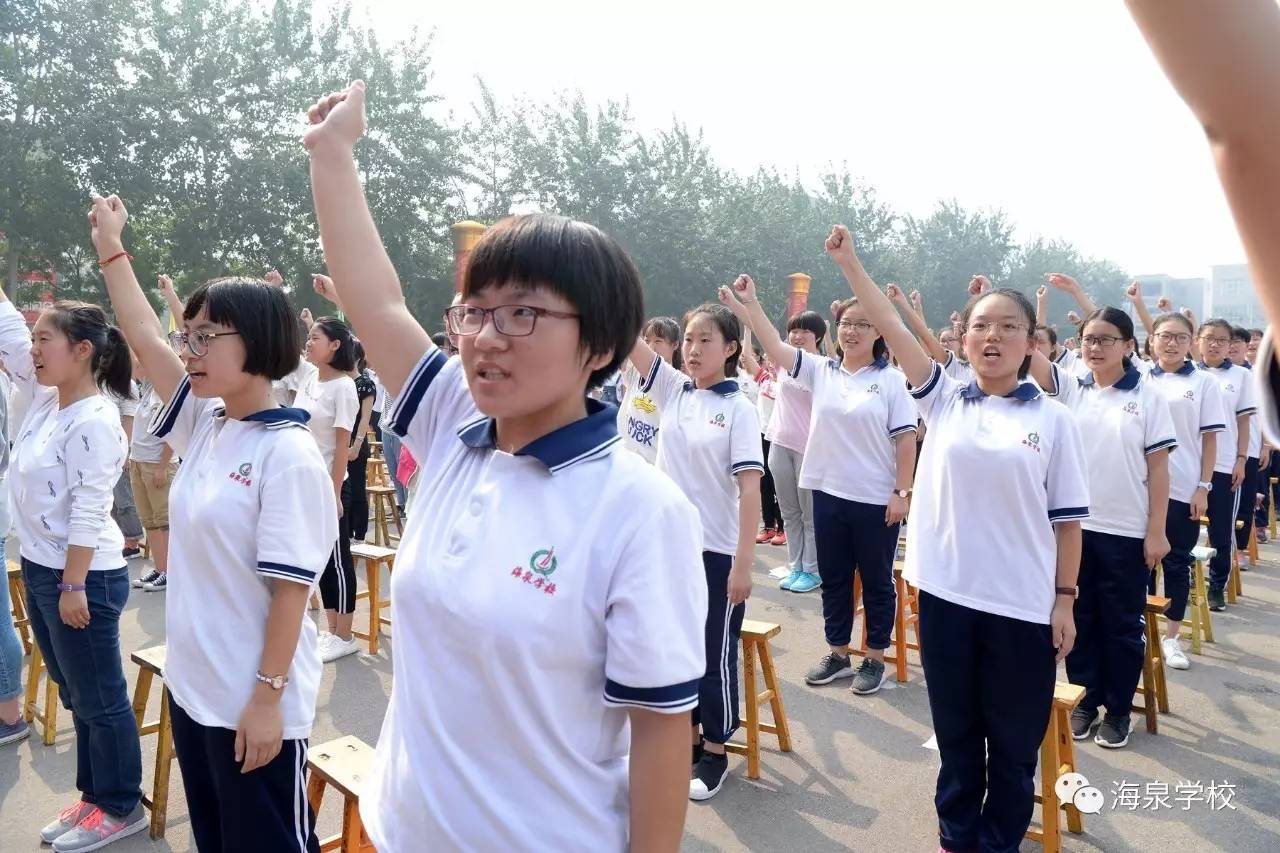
column 1208, row 487
column 1073, row 591
column 902, row 493
column 275, row 682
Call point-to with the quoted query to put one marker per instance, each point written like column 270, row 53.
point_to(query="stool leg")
column 395, row 516
column 380, row 523
column 33, row 683
column 18, row 595
column 373, row 575
column 1149, row 692
column 141, row 692
column 352, row 829
column 315, row 793
column 1253, row 546
column 900, row 629
column 752, row 697
column 164, row 761
column 1049, row 763
column 1157, row 664
column 775, row 703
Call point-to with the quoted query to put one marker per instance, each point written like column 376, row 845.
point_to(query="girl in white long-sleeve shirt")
column 67, row 456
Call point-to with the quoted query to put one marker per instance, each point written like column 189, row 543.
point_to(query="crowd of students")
column 578, row 655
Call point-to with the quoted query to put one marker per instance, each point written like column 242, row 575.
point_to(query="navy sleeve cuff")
column 1167, row 444
column 902, row 429
column 283, row 571
column 670, row 699
column 1069, row 513
column 164, row 420
column 795, row 369
column 1213, row 428
column 424, row 373
column 750, row 465
column 934, row 377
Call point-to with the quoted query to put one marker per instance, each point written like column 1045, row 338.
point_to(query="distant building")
column 1231, row 297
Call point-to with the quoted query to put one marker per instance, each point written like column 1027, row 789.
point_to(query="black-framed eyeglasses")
column 514, row 321
column 1173, row 337
column 858, row 326
column 197, row 341
column 1104, row 341
column 1210, row 341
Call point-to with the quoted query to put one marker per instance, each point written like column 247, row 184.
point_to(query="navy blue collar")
column 579, row 441
column 281, row 416
column 1026, row 391
column 1186, row 370
column 879, row 363
column 1226, row 365
column 1246, row 365
column 1125, row 383
column 724, row 389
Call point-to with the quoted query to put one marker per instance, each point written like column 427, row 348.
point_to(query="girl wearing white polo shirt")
column 1195, row 404
column 861, row 452
column 329, row 396
column 68, row 453
column 1127, row 458
column 252, row 517
column 996, row 586
column 788, row 434
column 638, row 414
column 711, row 449
column 548, row 596
column 1214, row 338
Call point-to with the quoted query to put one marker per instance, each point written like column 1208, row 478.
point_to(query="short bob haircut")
column 810, row 321
column 344, row 357
column 1025, row 308
column 879, row 349
column 730, row 328
column 573, row 260
column 260, row 313
column 1123, row 323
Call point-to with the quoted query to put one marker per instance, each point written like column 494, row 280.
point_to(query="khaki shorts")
column 152, row 502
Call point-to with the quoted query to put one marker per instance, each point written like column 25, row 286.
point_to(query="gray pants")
column 125, row 511
column 797, row 508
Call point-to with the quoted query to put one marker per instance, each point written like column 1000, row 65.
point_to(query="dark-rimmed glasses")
column 514, row 321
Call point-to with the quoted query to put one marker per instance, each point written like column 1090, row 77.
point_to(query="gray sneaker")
column 1082, row 720
column 98, row 829
column 66, row 821
column 14, row 732
column 868, row 678
column 1217, row 600
column 1114, row 732
column 827, row 670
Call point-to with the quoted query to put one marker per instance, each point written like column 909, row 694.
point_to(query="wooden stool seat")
column 18, row 605
column 32, row 712
column 376, row 472
column 1153, row 689
column 385, row 512
column 345, row 764
column 907, row 615
column 374, row 558
column 1057, row 756
column 755, row 644
column 150, row 666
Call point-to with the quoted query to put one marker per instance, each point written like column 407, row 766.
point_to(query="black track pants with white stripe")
column 338, row 581
column 263, row 811
column 717, row 709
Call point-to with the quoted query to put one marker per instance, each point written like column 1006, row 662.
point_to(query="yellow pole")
column 797, row 293
column 465, row 236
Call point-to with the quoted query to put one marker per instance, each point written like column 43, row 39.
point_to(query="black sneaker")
column 1114, row 732
column 1082, row 720
column 130, row 553
column 1217, row 600
column 868, row 678
column 140, row 583
column 708, row 776
column 831, row 667
column 158, row 584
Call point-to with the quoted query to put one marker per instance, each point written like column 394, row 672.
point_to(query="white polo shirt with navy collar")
column 252, row 504
column 1255, row 429
column 709, row 436
column 1237, row 397
column 957, row 368
column 995, row 475
column 1195, row 406
column 1070, row 361
column 1123, row 425
column 538, row 598
column 855, row 418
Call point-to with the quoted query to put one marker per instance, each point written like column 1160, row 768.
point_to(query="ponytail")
column 113, row 366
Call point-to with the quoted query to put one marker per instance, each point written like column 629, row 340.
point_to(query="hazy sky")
column 1054, row 111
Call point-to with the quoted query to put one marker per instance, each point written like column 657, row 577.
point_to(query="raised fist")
column 1164, row 304
column 744, row 288
column 107, row 217
column 917, row 301
column 839, row 244
column 730, row 300
column 166, row 285
column 336, row 119
column 894, row 293
column 1134, row 291
column 1063, row 282
column 323, row 285
column 979, row 285
column 274, row 277
column 1042, row 292
column 1073, row 318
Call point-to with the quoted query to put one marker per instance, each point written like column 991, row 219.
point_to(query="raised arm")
column 1195, row 337
column 912, row 357
column 1238, row 103
column 171, row 300
column 1042, row 305
column 914, row 316
column 1134, row 292
column 134, row 314
column 642, row 356
column 1069, row 285
column 363, row 276
column 748, row 358
column 743, row 300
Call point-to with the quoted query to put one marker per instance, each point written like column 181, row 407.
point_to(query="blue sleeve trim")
column 795, row 369
column 286, row 572
column 934, row 377
column 1069, row 513
column 1168, row 443
column 411, row 394
column 646, row 381
column 751, row 465
column 1249, row 411
column 167, row 417
column 902, row 429
column 1214, row 428
column 672, row 698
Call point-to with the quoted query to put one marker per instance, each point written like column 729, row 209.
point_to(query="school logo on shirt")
column 243, row 474
column 718, row 421
column 1190, row 395
column 541, row 565
column 1033, row 441
column 1131, row 407
column 873, row 389
column 645, row 404
column 1230, row 388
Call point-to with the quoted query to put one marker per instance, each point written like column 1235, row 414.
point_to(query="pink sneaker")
column 67, row 820
column 98, row 829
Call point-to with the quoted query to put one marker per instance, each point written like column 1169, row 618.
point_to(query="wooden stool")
column 1234, row 587
column 150, row 665
column 907, row 615
column 47, row 716
column 755, row 642
column 1253, row 545
column 1271, row 506
column 375, row 447
column 1057, row 756
column 1153, row 690
column 374, row 557
column 1198, row 599
column 376, row 472
column 383, row 499
column 18, row 604
column 345, row 764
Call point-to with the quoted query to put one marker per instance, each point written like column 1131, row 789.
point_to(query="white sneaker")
column 1174, row 657
column 335, row 647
